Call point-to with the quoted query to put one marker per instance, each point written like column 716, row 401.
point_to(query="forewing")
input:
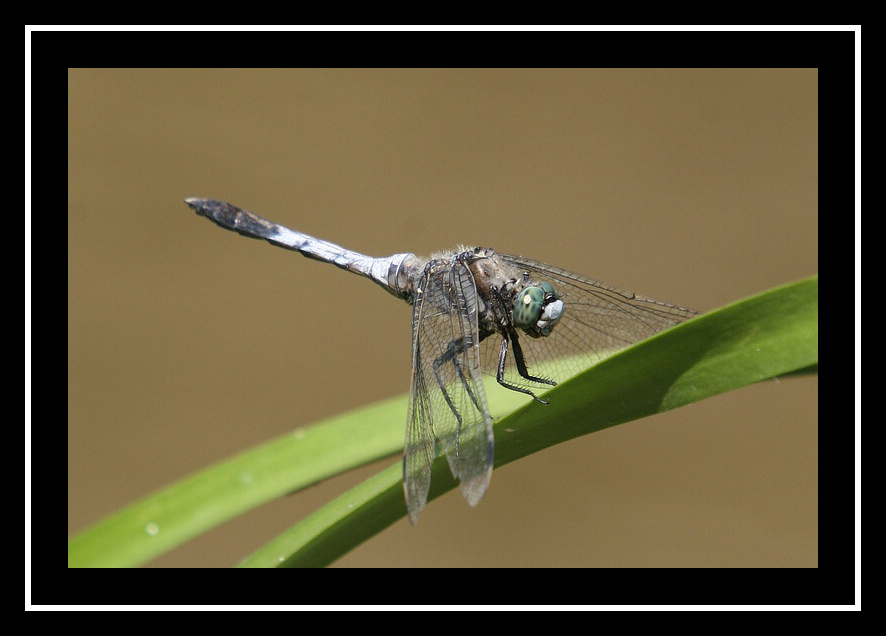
column 447, row 402
column 598, row 319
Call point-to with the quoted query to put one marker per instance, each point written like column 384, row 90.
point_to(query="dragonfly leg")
column 451, row 354
column 500, row 373
column 437, row 364
column 521, row 363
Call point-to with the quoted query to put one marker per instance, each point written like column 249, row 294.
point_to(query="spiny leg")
column 521, row 362
column 500, row 373
column 451, row 354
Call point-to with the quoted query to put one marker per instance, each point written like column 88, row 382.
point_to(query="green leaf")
column 772, row 334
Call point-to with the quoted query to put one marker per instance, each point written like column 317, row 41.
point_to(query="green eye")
column 537, row 310
column 528, row 306
column 549, row 290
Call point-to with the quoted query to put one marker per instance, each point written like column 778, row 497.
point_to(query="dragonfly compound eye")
column 528, row 307
column 537, row 310
column 549, row 290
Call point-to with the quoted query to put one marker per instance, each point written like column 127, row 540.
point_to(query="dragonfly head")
column 537, row 309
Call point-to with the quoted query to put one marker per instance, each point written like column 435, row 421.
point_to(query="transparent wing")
column 447, row 402
column 598, row 320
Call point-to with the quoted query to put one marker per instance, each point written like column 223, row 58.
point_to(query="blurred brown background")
column 188, row 344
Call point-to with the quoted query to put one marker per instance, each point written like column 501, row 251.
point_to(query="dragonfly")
column 474, row 310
